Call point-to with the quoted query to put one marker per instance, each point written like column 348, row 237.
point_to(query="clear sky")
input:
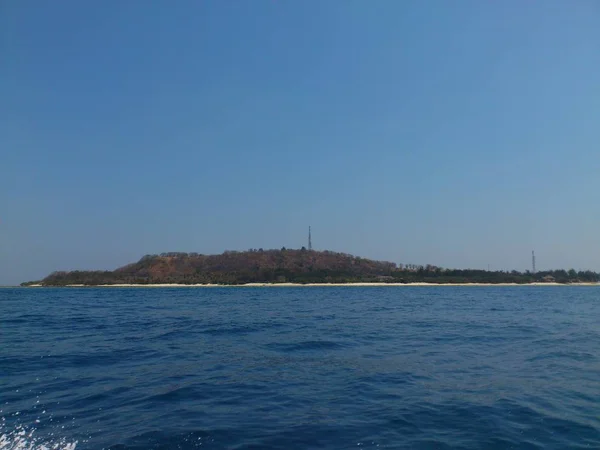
column 461, row 133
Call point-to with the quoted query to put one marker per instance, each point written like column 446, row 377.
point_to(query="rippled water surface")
column 300, row 368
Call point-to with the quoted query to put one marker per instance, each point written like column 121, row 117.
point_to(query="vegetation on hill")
column 292, row 266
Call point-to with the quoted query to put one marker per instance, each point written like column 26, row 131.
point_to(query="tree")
column 293, row 265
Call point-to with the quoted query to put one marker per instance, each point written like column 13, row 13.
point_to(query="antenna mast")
column 533, row 261
column 309, row 239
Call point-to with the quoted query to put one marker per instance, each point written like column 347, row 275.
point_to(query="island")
column 294, row 266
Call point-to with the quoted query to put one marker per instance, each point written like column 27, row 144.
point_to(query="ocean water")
column 300, row 368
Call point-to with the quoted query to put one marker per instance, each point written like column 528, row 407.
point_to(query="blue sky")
column 460, row 134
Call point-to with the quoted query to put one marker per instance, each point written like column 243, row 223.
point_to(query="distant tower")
column 309, row 239
column 532, row 261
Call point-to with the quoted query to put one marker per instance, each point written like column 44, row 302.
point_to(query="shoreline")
column 423, row 284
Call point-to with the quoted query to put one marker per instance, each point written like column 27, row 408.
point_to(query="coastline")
column 375, row 284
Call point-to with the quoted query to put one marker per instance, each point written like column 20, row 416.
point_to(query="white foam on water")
column 21, row 438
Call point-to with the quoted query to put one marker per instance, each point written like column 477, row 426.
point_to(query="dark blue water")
column 300, row 368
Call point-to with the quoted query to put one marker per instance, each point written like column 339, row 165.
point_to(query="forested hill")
column 254, row 266
column 295, row 266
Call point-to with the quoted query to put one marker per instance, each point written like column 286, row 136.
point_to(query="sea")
column 394, row 367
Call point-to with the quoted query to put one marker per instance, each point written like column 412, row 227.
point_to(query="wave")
column 225, row 330
column 23, row 438
column 307, row 346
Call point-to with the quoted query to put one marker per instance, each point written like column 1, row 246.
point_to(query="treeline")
column 432, row 274
column 293, row 266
